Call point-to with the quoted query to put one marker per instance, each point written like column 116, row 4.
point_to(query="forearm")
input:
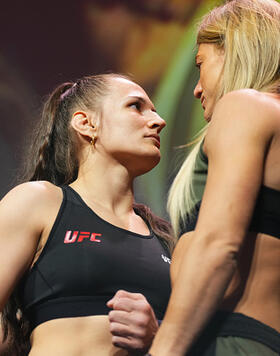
column 195, row 296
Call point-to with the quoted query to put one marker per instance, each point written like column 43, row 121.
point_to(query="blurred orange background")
column 44, row 43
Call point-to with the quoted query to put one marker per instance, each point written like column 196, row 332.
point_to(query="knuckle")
column 139, row 296
column 141, row 334
column 145, row 307
column 111, row 315
column 120, row 293
column 113, row 327
column 117, row 303
column 143, row 321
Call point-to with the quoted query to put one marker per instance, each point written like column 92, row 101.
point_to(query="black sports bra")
column 266, row 215
column 86, row 260
column 265, row 219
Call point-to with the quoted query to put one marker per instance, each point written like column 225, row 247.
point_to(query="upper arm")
column 21, row 224
column 178, row 255
column 236, row 144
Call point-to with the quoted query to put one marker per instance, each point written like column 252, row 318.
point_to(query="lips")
column 155, row 138
column 202, row 100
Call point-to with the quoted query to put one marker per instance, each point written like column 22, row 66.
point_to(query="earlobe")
column 82, row 123
column 93, row 140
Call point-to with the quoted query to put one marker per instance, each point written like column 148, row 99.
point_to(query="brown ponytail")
column 52, row 141
column 52, row 156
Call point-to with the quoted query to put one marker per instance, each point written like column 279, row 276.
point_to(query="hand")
column 133, row 323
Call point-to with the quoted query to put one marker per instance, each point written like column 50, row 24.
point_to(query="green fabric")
column 199, row 175
column 238, row 346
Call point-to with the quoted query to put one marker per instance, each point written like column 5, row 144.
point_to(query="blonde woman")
column 226, row 273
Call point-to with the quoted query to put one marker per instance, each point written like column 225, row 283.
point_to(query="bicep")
column 178, row 255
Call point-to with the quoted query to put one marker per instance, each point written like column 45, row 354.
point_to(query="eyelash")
column 137, row 104
column 198, row 65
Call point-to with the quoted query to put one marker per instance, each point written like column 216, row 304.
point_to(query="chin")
column 207, row 116
column 147, row 164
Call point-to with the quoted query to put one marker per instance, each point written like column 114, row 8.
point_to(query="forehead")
column 206, row 50
column 121, row 87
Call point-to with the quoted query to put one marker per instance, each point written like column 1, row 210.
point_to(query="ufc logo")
column 79, row 236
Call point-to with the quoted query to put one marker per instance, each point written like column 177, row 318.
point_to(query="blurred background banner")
column 43, row 43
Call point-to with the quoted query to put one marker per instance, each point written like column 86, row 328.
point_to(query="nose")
column 156, row 123
column 197, row 90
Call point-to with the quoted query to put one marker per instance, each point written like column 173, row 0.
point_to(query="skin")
column 210, row 62
column 220, row 265
column 112, row 164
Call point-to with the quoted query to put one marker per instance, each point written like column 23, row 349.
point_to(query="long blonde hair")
column 248, row 31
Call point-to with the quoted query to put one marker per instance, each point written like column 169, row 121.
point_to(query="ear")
column 84, row 123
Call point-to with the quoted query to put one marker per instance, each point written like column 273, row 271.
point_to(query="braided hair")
column 52, row 156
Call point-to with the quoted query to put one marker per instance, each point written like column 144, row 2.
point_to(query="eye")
column 135, row 105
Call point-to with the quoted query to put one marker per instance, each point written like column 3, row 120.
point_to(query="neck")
column 107, row 184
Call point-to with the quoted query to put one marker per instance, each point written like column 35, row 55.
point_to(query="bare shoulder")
column 249, row 104
column 243, row 115
column 30, row 193
column 29, row 200
column 25, row 213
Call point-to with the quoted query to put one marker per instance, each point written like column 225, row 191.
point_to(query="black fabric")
column 266, row 217
column 237, row 325
column 86, row 260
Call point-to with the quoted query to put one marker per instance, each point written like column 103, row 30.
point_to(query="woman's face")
column 130, row 127
column 210, row 61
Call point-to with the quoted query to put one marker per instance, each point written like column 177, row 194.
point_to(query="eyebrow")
column 137, row 97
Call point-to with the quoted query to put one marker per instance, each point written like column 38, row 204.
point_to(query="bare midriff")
column 255, row 287
column 79, row 336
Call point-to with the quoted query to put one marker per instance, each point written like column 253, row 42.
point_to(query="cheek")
column 205, row 78
column 120, row 135
column 217, row 72
column 210, row 81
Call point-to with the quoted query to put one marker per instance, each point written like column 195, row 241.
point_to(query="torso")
column 79, row 335
column 255, row 287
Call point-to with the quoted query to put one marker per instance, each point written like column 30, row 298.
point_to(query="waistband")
column 70, row 307
column 239, row 325
column 67, row 307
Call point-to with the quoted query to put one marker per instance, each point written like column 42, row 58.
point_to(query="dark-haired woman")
column 71, row 235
